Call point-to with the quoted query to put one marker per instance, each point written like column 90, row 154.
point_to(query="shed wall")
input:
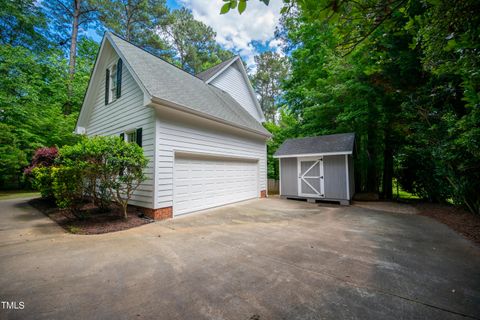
column 289, row 177
column 335, row 177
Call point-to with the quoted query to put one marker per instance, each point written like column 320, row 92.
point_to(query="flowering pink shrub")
column 43, row 157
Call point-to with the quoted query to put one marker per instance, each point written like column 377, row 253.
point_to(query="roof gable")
column 218, row 76
column 215, row 70
column 341, row 143
column 162, row 81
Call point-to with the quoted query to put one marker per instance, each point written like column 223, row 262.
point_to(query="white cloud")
column 236, row 32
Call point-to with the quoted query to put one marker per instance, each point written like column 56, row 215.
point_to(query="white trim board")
column 347, row 177
column 186, row 152
column 313, row 154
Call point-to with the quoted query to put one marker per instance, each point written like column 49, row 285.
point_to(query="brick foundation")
column 263, row 194
column 158, row 214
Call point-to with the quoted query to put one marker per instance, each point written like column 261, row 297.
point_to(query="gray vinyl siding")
column 351, row 176
column 289, row 177
column 126, row 113
column 232, row 81
column 335, row 183
column 178, row 133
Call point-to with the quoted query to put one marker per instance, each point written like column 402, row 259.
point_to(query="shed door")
column 310, row 179
column 201, row 183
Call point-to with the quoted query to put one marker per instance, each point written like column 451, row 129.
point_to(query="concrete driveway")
column 260, row 259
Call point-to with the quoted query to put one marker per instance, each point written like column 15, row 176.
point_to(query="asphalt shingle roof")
column 207, row 74
column 342, row 142
column 165, row 81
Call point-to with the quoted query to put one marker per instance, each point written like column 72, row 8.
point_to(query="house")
column 317, row 168
column 203, row 135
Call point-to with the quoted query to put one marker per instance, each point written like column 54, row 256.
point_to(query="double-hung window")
column 113, row 82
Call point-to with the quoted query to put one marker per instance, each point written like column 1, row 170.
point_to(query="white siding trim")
column 279, row 176
column 347, row 178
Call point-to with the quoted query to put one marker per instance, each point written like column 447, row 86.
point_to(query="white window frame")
column 112, row 85
column 127, row 137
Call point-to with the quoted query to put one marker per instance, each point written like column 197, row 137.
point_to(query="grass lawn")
column 16, row 194
column 401, row 194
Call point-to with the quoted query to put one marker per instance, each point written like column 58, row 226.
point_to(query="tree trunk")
column 73, row 55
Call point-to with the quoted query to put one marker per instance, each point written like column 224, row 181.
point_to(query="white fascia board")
column 313, row 154
column 88, row 93
column 252, row 92
column 157, row 102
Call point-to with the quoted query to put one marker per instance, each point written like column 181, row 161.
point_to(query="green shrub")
column 103, row 169
column 124, row 168
column 42, row 181
column 68, row 187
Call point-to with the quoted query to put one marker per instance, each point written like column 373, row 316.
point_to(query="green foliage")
column 241, row 5
column 68, row 186
column 103, row 169
column 43, row 181
column 192, row 43
column 272, row 69
column 136, row 21
column 286, row 127
column 403, row 76
column 12, row 158
column 125, row 170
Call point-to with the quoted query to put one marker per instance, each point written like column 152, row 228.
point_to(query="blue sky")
column 173, row 4
column 248, row 34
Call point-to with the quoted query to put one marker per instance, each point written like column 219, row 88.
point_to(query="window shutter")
column 122, row 136
column 119, row 78
column 107, row 85
column 139, row 136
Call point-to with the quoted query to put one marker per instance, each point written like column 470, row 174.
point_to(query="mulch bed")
column 95, row 221
column 456, row 218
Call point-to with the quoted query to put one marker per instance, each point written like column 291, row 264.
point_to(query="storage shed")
column 317, row 168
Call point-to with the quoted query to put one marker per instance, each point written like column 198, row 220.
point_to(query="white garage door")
column 201, row 183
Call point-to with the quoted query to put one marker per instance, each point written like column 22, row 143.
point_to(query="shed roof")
column 341, row 143
column 167, row 82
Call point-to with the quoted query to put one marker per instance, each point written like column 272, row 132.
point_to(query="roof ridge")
column 323, row 135
column 138, row 47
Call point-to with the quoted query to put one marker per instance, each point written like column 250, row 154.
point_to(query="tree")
column 136, row 21
column 22, row 23
column 272, row 69
column 287, row 126
column 70, row 15
column 12, row 158
column 192, row 42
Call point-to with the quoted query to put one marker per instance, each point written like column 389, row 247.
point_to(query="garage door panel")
column 209, row 182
